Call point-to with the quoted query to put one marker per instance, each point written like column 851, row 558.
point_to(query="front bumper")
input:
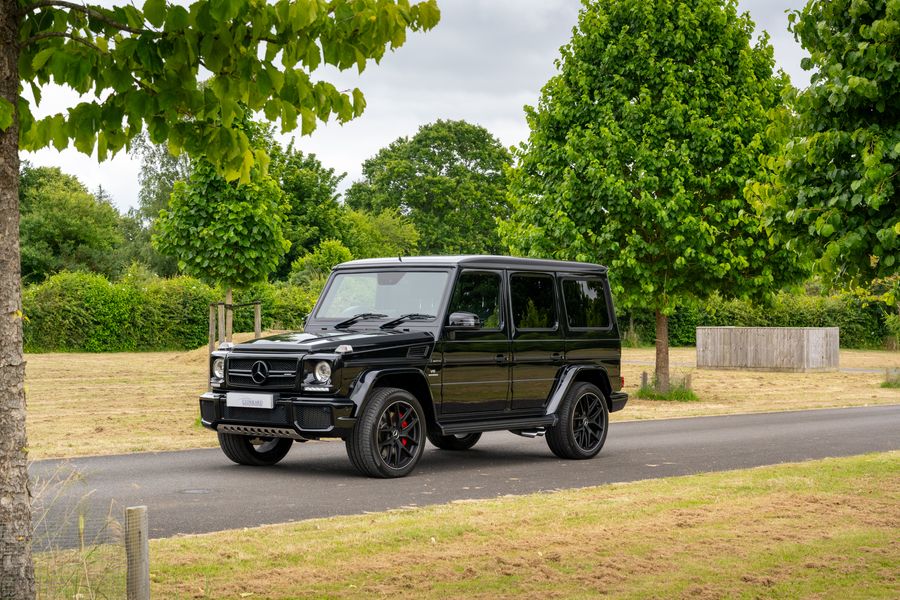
column 617, row 401
column 308, row 418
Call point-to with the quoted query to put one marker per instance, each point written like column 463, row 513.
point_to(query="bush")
column 862, row 326
column 82, row 312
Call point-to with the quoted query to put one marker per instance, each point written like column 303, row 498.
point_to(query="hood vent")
column 417, row 352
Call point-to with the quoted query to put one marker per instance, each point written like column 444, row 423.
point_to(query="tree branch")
column 61, row 34
column 90, row 12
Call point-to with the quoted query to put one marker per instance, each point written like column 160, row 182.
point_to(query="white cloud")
column 483, row 63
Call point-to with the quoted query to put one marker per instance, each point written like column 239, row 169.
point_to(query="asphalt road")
column 200, row 490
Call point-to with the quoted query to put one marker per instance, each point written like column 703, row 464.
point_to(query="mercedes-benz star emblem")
column 259, row 372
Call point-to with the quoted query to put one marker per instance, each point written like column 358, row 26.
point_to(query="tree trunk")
column 16, row 569
column 662, row 352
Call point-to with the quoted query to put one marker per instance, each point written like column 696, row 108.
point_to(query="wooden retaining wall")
column 768, row 348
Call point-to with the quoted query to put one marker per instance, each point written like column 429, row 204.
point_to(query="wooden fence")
column 220, row 320
column 768, row 348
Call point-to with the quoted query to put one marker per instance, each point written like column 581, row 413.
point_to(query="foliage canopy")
column 834, row 184
column 448, row 179
column 640, row 148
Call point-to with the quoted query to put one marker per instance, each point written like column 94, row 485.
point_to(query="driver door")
column 476, row 360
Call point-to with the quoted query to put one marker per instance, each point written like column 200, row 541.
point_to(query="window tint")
column 533, row 303
column 586, row 303
column 478, row 293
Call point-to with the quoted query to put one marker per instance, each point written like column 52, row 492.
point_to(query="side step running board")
column 499, row 425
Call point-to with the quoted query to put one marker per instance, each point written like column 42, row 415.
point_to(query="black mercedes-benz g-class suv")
column 397, row 351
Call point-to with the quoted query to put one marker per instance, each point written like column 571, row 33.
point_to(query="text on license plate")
column 240, row 400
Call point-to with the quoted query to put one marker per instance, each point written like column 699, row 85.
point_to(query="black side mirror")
column 464, row 320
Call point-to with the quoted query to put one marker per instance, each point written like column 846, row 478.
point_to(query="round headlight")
column 322, row 372
column 219, row 368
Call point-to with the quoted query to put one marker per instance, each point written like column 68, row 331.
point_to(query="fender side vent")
column 417, row 352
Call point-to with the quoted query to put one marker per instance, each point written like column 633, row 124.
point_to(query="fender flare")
column 369, row 380
column 566, row 378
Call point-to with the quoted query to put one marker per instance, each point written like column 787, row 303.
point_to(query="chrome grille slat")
column 282, row 372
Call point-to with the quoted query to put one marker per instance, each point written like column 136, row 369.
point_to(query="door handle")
column 501, row 358
column 556, row 357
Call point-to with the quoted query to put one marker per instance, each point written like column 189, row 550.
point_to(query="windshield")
column 391, row 293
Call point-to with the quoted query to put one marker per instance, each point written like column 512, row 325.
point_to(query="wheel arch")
column 411, row 380
column 593, row 374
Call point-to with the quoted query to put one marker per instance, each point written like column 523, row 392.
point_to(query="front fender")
column 370, row 379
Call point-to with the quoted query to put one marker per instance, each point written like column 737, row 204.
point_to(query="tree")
column 63, row 227
column 138, row 68
column 834, row 184
column 371, row 235
column 312, row 270
column 448, row 179
column 314, row 213
column 639, row 150
column 160, row 171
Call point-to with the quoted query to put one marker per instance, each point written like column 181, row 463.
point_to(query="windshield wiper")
column 410, row 317
column 359, row 317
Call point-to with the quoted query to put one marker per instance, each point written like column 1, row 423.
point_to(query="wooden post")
column 221, row 307
column 257, row 319
column 137, row 553
column 645, row 382
column 212, row 328
column 229, row 315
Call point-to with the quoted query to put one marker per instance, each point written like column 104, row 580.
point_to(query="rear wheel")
column 454, row 442
column 389, row 436
column 583, row 423
column 254, row 451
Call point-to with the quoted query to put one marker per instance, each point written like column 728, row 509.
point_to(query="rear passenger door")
column 537, row 342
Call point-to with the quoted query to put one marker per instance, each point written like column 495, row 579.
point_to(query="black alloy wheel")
column 254, row 451
column 389, row 436
column 462, row 441
column 583, row 423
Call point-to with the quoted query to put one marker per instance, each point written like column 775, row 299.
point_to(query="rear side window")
column 533, row 301
column 586, row 303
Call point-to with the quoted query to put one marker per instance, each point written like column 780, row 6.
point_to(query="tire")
column 389, row 436
column 242, row 449
column 454, row 442
column 583, row 423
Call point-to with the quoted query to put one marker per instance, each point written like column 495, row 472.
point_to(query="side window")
column 478, row 293
column 586, row 303
column 533, row 301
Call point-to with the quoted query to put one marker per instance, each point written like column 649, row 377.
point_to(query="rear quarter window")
column 586, row 304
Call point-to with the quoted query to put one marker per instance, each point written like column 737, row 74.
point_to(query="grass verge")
column 825, row 529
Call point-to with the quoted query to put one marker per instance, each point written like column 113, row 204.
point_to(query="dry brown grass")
column 824, row 529
column 83, row 404
column 728, row 392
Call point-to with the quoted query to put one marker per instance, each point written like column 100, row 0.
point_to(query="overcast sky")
column 484, row 61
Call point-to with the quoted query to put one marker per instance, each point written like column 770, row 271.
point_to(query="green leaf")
column 7, row 111
column 155, row 12
column 41, row 58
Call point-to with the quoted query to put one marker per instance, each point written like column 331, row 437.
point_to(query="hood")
column 327, row 341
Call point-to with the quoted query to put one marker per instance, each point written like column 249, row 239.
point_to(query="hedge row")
column 83, row 312
column 862, row 326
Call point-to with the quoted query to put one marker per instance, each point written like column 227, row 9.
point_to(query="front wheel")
column 454, row 442
column 583, row 423
column 254, row 451
column 389, row 436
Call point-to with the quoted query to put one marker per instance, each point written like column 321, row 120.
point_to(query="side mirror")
column 464, row 320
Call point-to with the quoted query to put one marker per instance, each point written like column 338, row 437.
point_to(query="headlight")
column 219, row 368
column 322, row 372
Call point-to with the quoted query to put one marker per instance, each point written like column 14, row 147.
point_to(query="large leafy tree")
column 639, row 150
column 64, row 227
column 313, row 213
column 835, row 185
column 448, row 178
column 139, row 69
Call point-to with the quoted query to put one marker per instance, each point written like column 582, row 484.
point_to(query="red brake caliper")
column 403, row 441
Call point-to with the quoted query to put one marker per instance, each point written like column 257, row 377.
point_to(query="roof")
column 484, row 261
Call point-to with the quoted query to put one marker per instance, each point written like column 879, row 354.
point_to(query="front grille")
column 282, row 373
column 313, row 417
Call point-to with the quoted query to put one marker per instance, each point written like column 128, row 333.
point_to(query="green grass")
column 891, row 379
column 675, row 394
column 824, row 528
